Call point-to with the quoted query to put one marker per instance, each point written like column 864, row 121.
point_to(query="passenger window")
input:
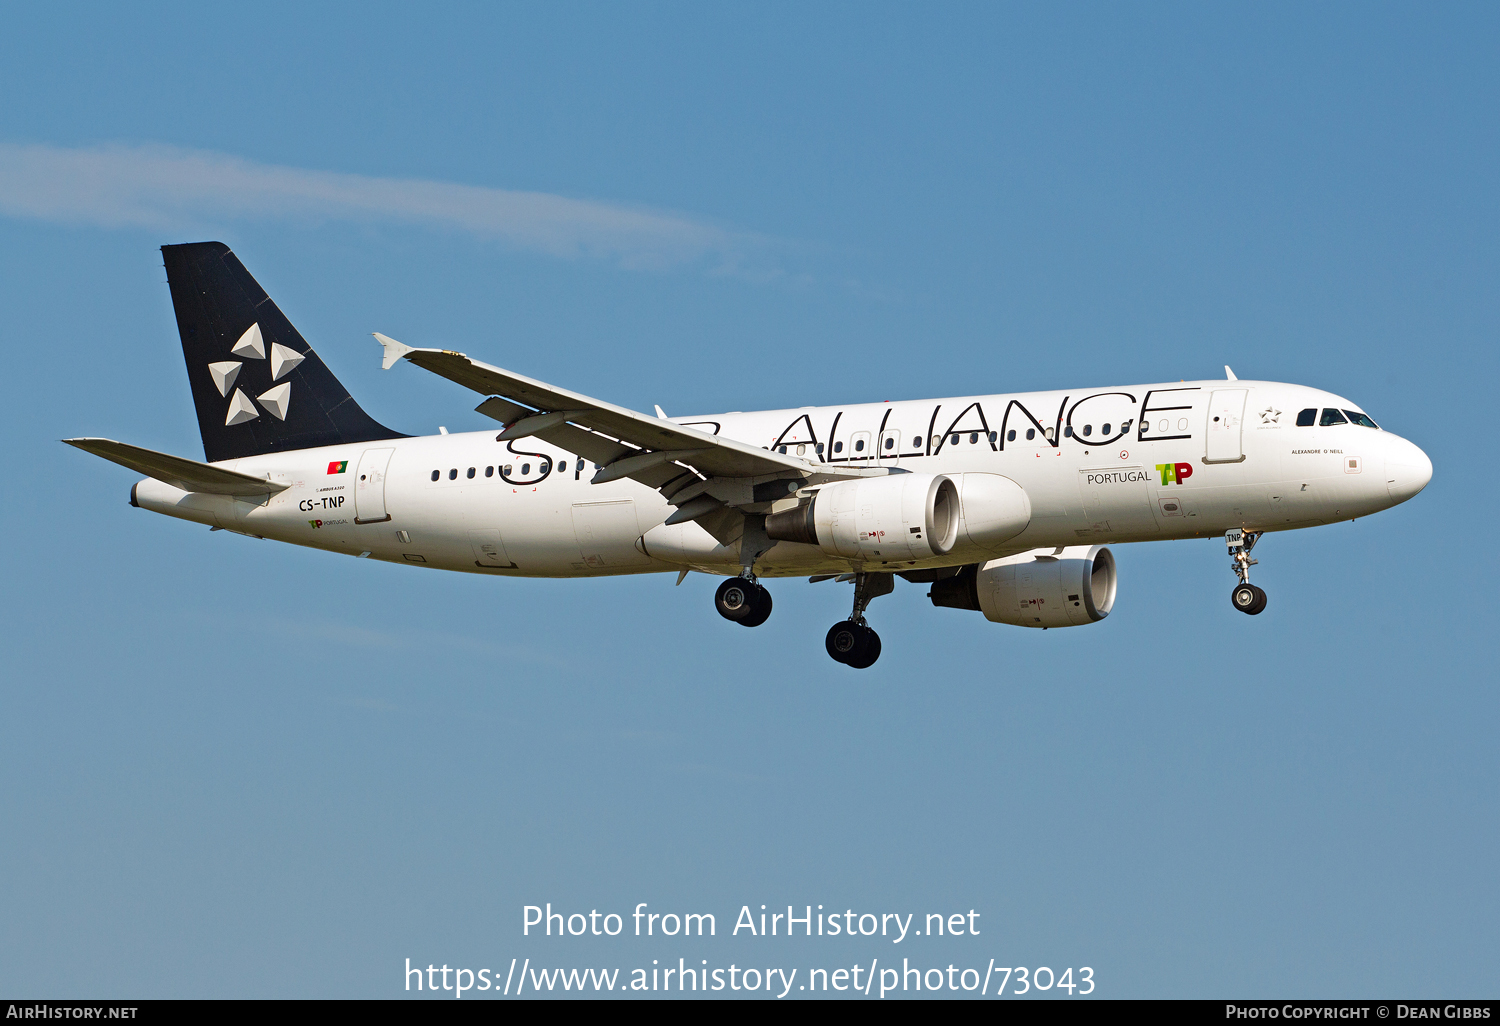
column 818, row 448
column 1331, row 418
column 525, row 469
column 507, row 469
column 489, row 471
column 1068, row 431
column 580, row 466
column 453, row 474
column 801, row 450
column 1162, row 427
column 993, row 435
column 436, row 474
column 890, row 443
column 1047, row 434
column 1307, row 417
column 916, row 442
column 974, row 438
column 782, row 450
column 859, row 446
column 953, row 440
column 1030, row 434
column 471, row 473
column 838, row 446
column 1104, row 430
column 1088, row 429
column 1010, row 436
column 1355, row 417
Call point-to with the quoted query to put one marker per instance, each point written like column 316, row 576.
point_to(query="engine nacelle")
column 880, row 519
column 995, row 510
column 1056, row 589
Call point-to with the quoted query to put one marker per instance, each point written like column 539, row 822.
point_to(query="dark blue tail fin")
column 257, row 385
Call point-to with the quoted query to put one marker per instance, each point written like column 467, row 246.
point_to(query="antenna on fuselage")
column 1229, row 373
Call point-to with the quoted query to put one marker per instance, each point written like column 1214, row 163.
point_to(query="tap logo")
column 338, row 466
column 1174, row 473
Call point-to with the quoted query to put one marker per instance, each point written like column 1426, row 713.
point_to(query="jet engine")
column 1058, row 588
column 882, row 519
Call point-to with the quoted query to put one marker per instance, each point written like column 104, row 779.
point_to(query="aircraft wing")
column 698, row 472
column 189, row 475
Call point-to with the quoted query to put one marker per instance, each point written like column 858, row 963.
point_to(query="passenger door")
column 369, row 487
column 1226, row 417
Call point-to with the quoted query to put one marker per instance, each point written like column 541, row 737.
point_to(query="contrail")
column 165, row 188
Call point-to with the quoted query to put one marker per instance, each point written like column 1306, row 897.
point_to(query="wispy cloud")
column 165, row 188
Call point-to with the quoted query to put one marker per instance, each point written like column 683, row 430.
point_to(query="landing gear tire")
column 871, row 652
column 762, row 608
column 853, row 644
column 1247, row 598
column 743, row 601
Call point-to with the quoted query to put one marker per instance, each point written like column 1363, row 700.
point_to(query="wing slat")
column 721, row 457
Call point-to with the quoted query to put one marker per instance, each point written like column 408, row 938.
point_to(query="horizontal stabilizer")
column 189, row 475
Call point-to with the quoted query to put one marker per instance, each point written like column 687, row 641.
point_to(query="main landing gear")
column 740, row 598
column 1246, row 597
column 744, row 601
column 851, row 641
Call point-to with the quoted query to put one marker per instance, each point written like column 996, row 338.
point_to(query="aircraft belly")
column 537, row 535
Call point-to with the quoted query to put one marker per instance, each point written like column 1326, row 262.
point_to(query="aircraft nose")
column 1407, row 469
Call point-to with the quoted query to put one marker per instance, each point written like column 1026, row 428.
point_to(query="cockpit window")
column 1331, row 417
column 1307, row 418
column 1355, row 417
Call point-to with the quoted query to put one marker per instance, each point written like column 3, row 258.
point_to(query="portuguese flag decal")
column 338, row 466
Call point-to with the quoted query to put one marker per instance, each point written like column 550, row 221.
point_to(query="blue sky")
column 232, row 768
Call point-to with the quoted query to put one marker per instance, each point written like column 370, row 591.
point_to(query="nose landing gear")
column 852, row 641
column 1246, row 597
column 744, row 601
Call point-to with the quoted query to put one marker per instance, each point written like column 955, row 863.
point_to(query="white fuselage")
column 1135, row 463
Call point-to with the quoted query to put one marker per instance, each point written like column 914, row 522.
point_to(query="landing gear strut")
column 744, row 601
column 851, row 641
column 1246, row 597
column 740, row 598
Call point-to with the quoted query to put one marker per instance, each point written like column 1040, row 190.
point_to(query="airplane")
column 1004, row 504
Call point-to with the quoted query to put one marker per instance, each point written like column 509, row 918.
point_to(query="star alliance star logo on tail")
column 277, row 400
